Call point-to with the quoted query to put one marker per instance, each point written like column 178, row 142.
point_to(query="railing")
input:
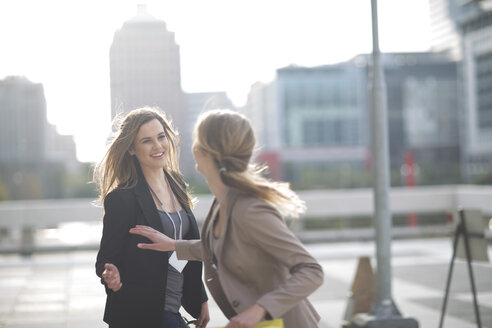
column 326, row 204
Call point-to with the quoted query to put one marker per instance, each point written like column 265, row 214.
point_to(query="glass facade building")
column 473, row 19
column 320, row 106
column 322, row 119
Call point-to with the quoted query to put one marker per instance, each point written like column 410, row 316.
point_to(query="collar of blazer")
column 233, row 195
column 146, row 202
column 194, row 233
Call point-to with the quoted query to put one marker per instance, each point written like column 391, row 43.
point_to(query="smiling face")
column 151, row 145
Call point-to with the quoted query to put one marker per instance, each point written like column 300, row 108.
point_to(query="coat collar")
column 146, row 202
column 149, row 209
column 232, row 197
column 194, row 233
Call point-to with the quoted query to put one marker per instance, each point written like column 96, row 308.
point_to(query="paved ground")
column 61, row 289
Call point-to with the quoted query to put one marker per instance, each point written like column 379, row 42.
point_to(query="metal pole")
column 384, row 313
column 379, row 140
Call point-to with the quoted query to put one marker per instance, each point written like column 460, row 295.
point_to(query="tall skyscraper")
column 145, row 67
column 33, row 156
column 23, row 121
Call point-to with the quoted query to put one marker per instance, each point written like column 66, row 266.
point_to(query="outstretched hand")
column 161, row 242
column 111, row 276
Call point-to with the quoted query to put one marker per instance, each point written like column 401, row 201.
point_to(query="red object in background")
column 272, row 159
column 410, row 181
column 410, row 177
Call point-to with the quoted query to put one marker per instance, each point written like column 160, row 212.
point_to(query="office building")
column 194, row 104
column 318, row 120
column 23, row 121
column 474, row 21
column 262, row 110
column 444, row 33
column 310, row 124
column 145, row 67
column 423, row 113
column 32, row 154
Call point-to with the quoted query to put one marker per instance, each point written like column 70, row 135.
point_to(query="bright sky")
column 226, row 45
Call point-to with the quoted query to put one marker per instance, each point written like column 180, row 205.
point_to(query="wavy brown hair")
column 229, row 138
column 118, row 169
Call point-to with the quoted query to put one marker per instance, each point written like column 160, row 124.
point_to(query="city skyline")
column 224, row 47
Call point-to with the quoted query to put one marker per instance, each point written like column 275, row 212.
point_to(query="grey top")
column 174, row 287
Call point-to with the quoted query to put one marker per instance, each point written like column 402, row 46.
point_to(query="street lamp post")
column 384, row 313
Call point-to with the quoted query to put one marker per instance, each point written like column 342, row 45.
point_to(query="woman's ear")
column 131, row 151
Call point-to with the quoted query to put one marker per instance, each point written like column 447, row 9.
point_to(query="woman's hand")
column 204, row 318
column 111, row 276
column 161, row 242
column 247, row 318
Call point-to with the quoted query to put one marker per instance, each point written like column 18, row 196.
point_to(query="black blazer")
column 140, row 301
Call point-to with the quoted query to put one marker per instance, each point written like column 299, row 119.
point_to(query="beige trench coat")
column 260, row 261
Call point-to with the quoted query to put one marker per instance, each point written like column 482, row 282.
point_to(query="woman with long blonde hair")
column 140, row 184
column 255, row 267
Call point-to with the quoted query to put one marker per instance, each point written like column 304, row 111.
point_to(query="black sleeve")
column 194, row 293
column 118, row 217
column 204, row 294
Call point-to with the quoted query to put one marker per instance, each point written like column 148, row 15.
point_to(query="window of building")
column 484, row 89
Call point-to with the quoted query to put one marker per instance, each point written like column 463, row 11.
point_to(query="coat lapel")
column 147, row 204
column 193, row 233
column 149, row 209
column 205, row 236
column 231, row 199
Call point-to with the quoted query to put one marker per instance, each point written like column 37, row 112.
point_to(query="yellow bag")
column 276, row 323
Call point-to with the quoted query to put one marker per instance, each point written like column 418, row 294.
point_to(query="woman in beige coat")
column 255, row 268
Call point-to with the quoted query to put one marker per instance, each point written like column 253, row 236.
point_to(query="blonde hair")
column 118, row 169
column 229, row 138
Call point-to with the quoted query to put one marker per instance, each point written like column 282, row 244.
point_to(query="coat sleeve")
column 118, row 217
column 264, row 226
column 190, row 250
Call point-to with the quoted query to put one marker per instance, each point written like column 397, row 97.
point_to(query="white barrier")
column 30, row 215
column 425, row 199
column 320, row 203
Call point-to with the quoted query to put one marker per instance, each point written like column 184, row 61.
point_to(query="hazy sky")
column 226, row 45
